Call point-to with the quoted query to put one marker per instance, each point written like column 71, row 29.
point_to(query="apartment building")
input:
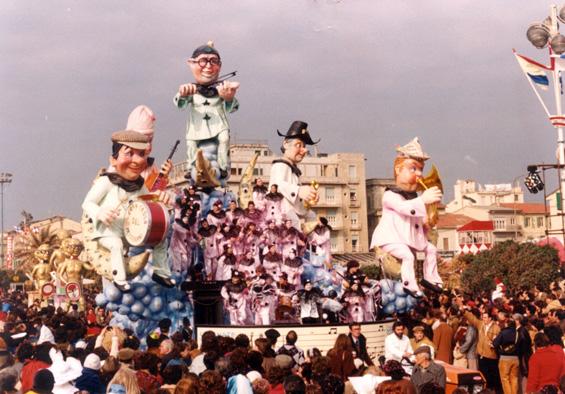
column 341, row 179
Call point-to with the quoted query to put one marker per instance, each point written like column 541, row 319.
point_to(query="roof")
column 526, row 207
column 362, row 258
column 478, row 225
column 452, row 220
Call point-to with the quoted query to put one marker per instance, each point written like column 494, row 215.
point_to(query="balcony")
column 509, row 228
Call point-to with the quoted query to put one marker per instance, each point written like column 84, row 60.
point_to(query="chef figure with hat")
column 401, row 230
column 286, row 175
column 142, row 119
column 106, row 205
column 209, row 104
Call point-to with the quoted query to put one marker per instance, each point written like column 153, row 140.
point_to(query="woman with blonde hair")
column 127, row 378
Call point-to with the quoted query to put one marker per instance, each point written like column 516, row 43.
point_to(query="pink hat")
column 141, row 119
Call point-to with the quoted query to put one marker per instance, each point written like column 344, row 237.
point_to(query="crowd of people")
column 258, row 253
column 516, row 341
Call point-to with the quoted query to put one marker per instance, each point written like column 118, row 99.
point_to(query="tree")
column 517, row 265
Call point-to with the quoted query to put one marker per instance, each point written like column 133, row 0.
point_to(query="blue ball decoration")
column 399, row 289
column 112, row 306
column 147, row 299
column 139, row 292
column 138, row 307
column 128, row 299
column 389, row 309
column 156, row 305
column 101, row 300
column 112, row 293
column 123, row 310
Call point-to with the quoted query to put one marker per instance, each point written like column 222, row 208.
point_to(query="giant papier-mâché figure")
column 107, row 200
column 207, row 128
column 286, row 175
column 402, row 229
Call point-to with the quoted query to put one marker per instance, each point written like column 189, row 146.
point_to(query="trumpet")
column 431, row 180
column 309, row 204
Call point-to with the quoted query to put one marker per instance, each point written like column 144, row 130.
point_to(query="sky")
column 366, row 75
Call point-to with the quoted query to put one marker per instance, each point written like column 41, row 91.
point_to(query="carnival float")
column 265, row 248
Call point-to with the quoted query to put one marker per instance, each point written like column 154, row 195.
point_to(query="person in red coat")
column 546, row 366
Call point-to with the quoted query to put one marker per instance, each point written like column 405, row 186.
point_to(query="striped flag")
column 534, row 70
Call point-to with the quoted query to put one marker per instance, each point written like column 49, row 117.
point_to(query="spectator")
column 359, row 343
column 188, row 385
column 443, row 339
column 211, row 382
column 40, row 360
column 341, row 358
column 397, row 384
column 289, row 348
column 426, row 370
column 546, row 366
column 43, row 382
column 507, row 343
column 127, row 378
column 488, row 358
column 90, row 379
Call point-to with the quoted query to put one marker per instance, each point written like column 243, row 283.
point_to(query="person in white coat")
column 286, row 175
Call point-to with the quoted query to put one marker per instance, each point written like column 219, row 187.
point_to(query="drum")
column 146, row 223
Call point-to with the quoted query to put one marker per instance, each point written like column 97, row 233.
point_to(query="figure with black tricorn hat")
column 286, row 175
column 210, row 99
column 402, row 229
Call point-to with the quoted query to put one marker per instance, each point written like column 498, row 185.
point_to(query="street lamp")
column 5, row 177
column 541, row 35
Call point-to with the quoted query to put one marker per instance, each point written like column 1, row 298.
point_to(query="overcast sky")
column 365, row 74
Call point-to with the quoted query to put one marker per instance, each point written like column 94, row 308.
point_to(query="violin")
column 211, row 90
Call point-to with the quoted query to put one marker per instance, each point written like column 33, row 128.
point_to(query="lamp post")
column 541, row 35
column 515, row 185
column 5, row 177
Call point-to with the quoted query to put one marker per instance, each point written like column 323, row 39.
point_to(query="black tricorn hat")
column 299, row 130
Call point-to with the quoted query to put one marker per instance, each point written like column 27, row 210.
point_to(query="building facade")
column 469, row 193
column 341, row 179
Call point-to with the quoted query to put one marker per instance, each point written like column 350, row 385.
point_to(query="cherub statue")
column 58, row 256
column 209, row 101
column 41, row 273
column 72, row 269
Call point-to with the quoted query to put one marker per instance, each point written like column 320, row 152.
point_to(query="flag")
column 534, row 70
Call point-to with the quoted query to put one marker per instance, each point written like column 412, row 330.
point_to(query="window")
column 445, row 243
column 257, row 152
column 331, row 215
column 265, row 153
column 540, row 221
column 257, row 171
column 354, row 243
column 354, row 218
column 499, row 224
column 352, row 172
column 512, row 220
column 353, row 195
column 333, row 244
column 330, row 194
column 527, row 221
